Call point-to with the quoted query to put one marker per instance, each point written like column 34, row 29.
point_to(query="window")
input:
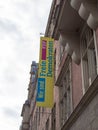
column 33, row 78
column 53, row 120
column 65, row 97
column 39, row 110
column 47, row 124
column 43, row 109
column 63, row 104
column 88, row 54
column 35, row 122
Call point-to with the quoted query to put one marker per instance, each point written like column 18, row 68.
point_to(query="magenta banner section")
column 44, row 46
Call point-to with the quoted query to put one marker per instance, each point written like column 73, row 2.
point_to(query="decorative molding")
column 83, row 12
column 87, row 11
column 72, row 44
column 76, row 4
column 92, row 22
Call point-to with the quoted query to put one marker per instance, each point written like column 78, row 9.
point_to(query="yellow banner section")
column 46, row 73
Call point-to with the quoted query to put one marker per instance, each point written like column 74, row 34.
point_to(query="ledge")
column 86, row 99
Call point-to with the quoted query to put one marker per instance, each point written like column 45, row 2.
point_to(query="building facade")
column 30, row 104
column 74, row 26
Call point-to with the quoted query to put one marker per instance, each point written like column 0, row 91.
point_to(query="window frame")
column 88, row 54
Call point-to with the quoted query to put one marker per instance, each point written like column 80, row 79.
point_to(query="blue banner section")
column 41, row 90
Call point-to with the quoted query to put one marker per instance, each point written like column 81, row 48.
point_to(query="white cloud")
column 21, row 22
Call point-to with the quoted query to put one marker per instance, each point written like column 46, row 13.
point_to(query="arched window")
column 88, row 57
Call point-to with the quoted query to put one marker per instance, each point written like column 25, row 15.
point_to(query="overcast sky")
column 21, row 22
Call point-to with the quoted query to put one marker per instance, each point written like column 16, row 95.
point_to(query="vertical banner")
column 46, row 73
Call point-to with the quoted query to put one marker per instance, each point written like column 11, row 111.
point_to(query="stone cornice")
column 86, row 99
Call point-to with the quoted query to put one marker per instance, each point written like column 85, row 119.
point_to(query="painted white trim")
column 96, row 51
